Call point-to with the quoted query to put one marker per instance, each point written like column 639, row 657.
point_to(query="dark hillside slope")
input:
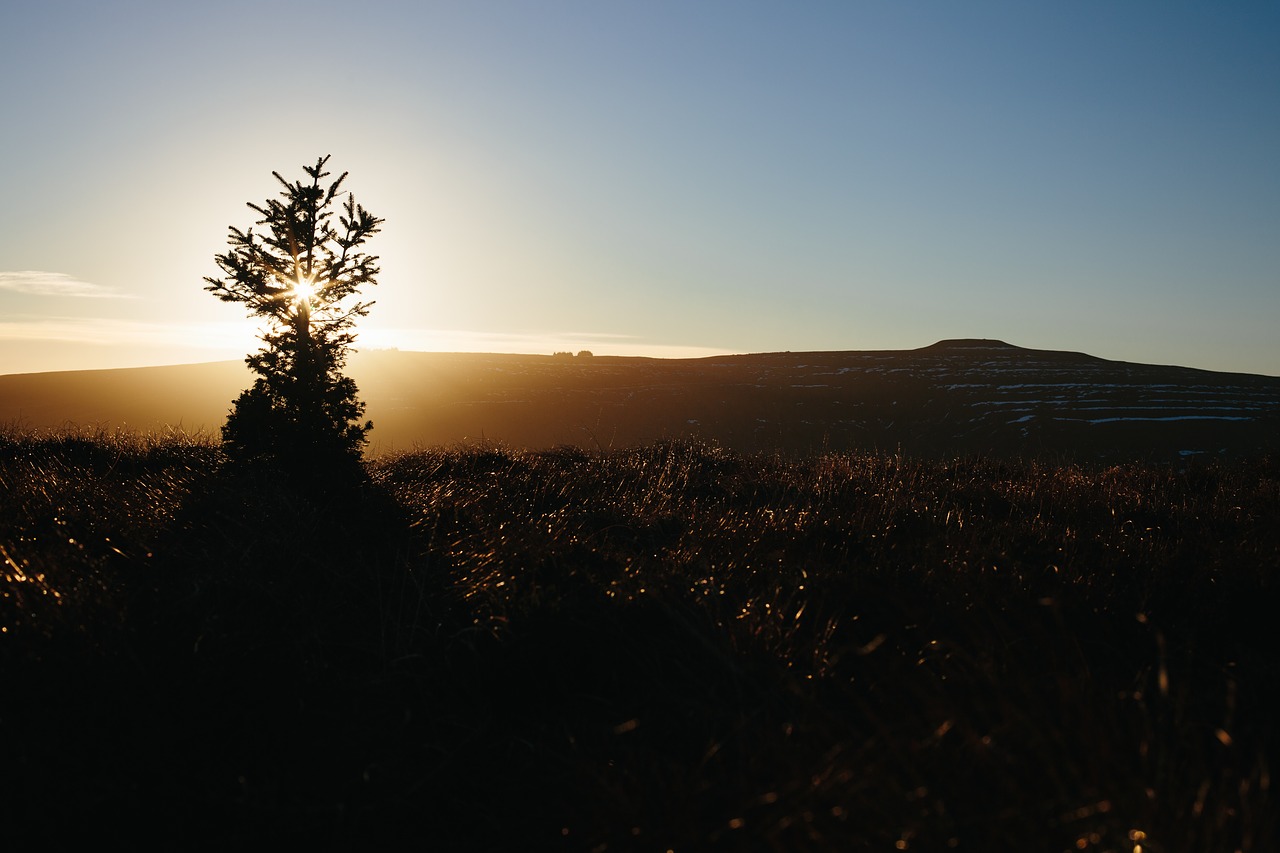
column 195, row 397
column 952, row 398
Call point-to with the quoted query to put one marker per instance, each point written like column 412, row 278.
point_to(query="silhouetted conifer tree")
column 299, row 273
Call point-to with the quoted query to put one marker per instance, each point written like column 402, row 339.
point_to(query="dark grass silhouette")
column 668, row 647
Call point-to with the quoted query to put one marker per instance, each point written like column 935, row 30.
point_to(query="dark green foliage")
column 670, row 647
column 298, row 275
column 305, row 418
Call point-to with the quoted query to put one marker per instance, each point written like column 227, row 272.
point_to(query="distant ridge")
column 954, row 397
column 968, row 344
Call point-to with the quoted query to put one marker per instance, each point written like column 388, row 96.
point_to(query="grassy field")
column 670, row 647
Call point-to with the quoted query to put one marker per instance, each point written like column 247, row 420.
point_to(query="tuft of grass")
column 664, row 647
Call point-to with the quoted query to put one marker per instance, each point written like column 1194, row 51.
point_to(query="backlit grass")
column 668, row 647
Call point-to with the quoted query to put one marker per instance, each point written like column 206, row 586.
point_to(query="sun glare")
column 304, row 290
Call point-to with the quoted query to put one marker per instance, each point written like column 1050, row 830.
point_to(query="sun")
column 304, row 290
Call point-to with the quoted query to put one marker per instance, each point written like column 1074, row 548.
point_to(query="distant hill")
column 951, row 398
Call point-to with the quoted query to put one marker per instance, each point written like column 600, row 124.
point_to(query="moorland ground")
column 665, row 647
column 981, row 398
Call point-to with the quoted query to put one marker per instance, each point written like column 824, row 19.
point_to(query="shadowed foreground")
column 669, row 647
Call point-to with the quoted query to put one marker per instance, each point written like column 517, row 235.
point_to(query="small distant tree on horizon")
column 299, row 273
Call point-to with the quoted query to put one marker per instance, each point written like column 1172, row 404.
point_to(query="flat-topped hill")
column 954, row 397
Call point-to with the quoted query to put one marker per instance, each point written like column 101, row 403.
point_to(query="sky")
column 656, row 178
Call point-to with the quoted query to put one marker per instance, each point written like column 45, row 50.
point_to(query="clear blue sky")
column 657, row 177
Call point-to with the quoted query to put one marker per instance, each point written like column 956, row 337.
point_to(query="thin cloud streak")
column 40, row 283
column 463, row 340
column 102, row 331
column 235, row 339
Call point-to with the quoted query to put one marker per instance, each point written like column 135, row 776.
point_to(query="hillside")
column 951, row 398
